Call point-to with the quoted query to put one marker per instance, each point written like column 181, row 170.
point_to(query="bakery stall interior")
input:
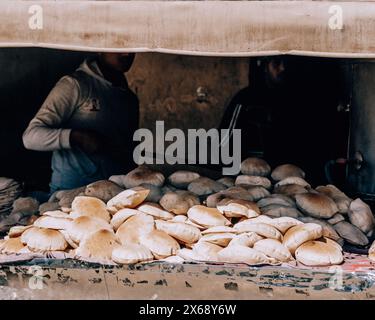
column 320, row 126
column 188, row 92
column 296, row 221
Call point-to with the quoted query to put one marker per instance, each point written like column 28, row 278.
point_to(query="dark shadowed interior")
column 310, row 127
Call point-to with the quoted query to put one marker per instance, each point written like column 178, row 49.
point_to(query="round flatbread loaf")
column 56, row 214
column 26, row 205
column 48, row 206
column 341, row 199
column 219, row 229
column 317, row 253
column 89, row 206
column 213, row 199
column 179, row 218
column 283, row 224
column 174, row 259
column 293, row 180
column 255, row 167
column 11, row 246
column 328, row 230
column 263, row 229
column 98, row 246
column 205, row 186
column 242, row 254
column 179, row 230
column 290, row 190
column 232, row 193
column 83, row 226
column 336, row 218
column 130, row 198
column 68, row 239
column 143, row 174
column 259, row 219
column 131, row 253
column 104, row 190
column 155, row 210
column 206, row 251
column 52, row 223
column 277, row 199
column 17, row 231
column 253, row 181
column 316, row 205
column 351, row 233
column 287, row 170
column 274, row 249
column 27, row 234
column 188, row 255
column 221, row 239
column 207, row 217
column 160, row 244
column 238, row 208
column 257, row 193
column 182, row 178
column 40, row 239
column 361, row 216
column 247, row 239
column 300, row 234
column 227, row 181
column 121, row 216
column 179, row 202
column 276, row 211
column 134, row 227
column 66, row 197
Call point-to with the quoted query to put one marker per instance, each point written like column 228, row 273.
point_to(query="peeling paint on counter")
column 70, row 279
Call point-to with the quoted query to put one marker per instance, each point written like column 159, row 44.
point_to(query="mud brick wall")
column 168, row 87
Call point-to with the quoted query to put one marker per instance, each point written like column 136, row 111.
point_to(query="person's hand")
column 88, row 141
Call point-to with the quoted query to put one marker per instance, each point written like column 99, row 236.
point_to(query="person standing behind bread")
column 88, row 121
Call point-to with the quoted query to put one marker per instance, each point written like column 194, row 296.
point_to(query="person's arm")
column 46, row 130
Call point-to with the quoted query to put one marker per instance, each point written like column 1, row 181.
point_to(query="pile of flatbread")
column 10, row 190
column 127, row 229
column 262, row 216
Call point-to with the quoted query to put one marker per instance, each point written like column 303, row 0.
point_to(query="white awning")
column 217, row 28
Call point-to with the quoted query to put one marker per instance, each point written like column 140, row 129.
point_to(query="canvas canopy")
column 217, row 28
